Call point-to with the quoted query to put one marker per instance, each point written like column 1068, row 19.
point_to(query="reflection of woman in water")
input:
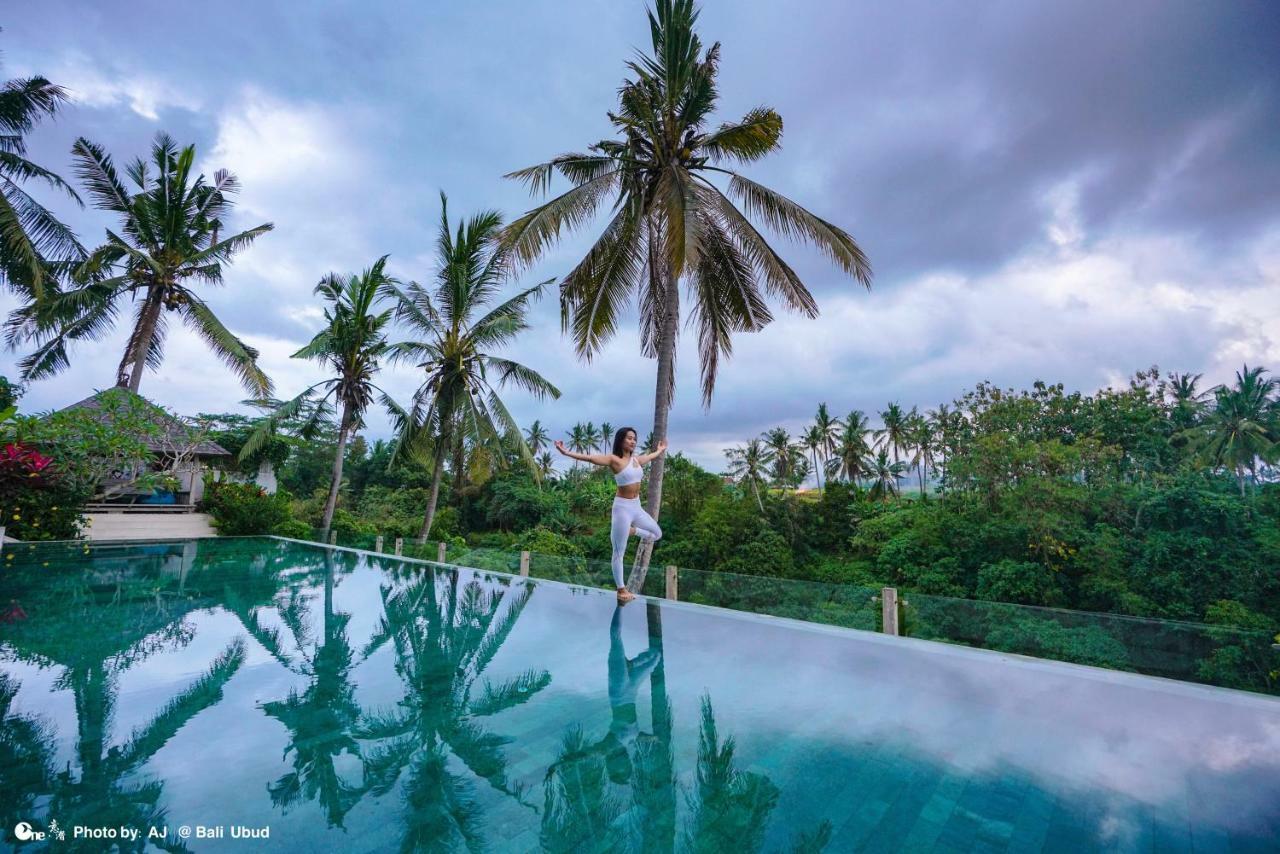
column 625, row 678
column 629, row 517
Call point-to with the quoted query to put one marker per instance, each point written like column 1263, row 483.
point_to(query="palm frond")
column 234, row 353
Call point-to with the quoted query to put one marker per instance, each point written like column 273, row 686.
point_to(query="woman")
column 628, row 516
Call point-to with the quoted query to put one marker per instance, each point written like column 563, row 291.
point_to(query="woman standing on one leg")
column 629, row 517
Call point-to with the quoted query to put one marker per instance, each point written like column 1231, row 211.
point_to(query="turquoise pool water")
column 345, row 701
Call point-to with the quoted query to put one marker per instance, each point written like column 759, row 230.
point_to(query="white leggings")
column 628, row 513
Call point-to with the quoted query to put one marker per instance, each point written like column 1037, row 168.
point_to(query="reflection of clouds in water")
column 1073, row 730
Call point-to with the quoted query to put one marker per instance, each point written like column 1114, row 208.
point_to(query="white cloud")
column 91, row 85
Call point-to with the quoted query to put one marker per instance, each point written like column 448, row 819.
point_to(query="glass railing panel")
column 1218, row 655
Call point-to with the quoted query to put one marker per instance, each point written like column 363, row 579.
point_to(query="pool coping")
column 1215, row 693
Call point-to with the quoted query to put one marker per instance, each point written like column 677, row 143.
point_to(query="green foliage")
column 546, row 542
column 293, row 528
column 1017, row 581
column 92, row 445
column 241, row 509
column 37, row 502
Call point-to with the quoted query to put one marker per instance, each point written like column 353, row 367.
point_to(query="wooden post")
column 440, row 553
column 399, row 545
column 889, row 609
column 524, row 564
column 377, row 544
column 672, row 592
column 333, row 538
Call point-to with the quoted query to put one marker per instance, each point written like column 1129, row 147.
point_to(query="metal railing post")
column 440, row 550
column 377, row 544
column 672, row 584
column 524, row 564
column 333, row 538
column 889, row 610
column 399, row 545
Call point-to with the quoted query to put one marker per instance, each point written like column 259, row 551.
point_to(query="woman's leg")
column 646, row 528
column 621, row 526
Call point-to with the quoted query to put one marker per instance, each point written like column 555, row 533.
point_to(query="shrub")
column 544, row 542
column 37, row 502
column 294, row 528
column 241, row 509
column 1017, row 581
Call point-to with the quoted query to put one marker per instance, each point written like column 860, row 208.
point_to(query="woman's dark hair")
column 619, row 437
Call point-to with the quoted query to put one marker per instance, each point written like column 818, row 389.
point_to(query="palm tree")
column 593, row 437
column 829, row 428
column 895, row 435
column 885, row 475
column 169, row 241
column 606, row 437
column 1188, row 401
column 536, row 437
column 351, row 345
column 813, row 441
column 1242, row 426
column 747, row 465
column 943, row 422
column 922, row 439
column 853, row 448
column 581, row 441
column 546, row 465
column 31, row 238
column 783, row 451
column 458, row 399
column 671, row 222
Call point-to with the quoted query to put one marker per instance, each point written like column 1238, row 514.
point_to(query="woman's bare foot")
column 625, row 595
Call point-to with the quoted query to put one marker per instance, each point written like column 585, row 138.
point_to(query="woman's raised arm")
column 645, row 459
column 594, row 459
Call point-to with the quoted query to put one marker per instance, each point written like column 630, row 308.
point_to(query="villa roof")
column 175, row 432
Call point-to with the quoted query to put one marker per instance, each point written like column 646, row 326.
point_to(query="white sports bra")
column 629, row 475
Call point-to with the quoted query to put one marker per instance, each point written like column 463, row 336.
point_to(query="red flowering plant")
column 36, row 502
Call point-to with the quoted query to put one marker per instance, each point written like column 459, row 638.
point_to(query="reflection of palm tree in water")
column 131, row 614
column 729, row 808
column 321, row 719
column 445, row 632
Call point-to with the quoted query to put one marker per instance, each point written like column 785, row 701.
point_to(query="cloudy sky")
column 1062, row 191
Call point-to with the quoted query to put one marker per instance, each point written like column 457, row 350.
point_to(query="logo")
column 25, row 832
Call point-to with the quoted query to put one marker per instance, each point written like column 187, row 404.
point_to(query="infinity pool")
column 336, row 700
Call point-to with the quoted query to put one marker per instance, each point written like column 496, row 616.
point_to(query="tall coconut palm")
column 783, row 451
column 606, row 436
column 885, row 475
column 537, row 438
column 546, row 465
column 351, row 345
column 748, row 465
column 942, row 420
column 829, row 428
column 813, row 441
column 170, row 241
column 671, row 222
column 1242, row 427
column 1186, row 398
column 922, row 438
column 458, row 399
column 581, row 440
column 33, row 242
column 895, row 436
column 853, row 448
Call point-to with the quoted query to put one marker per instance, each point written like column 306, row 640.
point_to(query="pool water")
column 343, row 700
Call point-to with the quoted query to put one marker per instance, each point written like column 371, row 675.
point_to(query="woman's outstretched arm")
column 645, row 459
column 594, row 459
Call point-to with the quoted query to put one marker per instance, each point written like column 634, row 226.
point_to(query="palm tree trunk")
column 335, row 483
column 140, row 342
column 436, row 476
column 664, row 394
